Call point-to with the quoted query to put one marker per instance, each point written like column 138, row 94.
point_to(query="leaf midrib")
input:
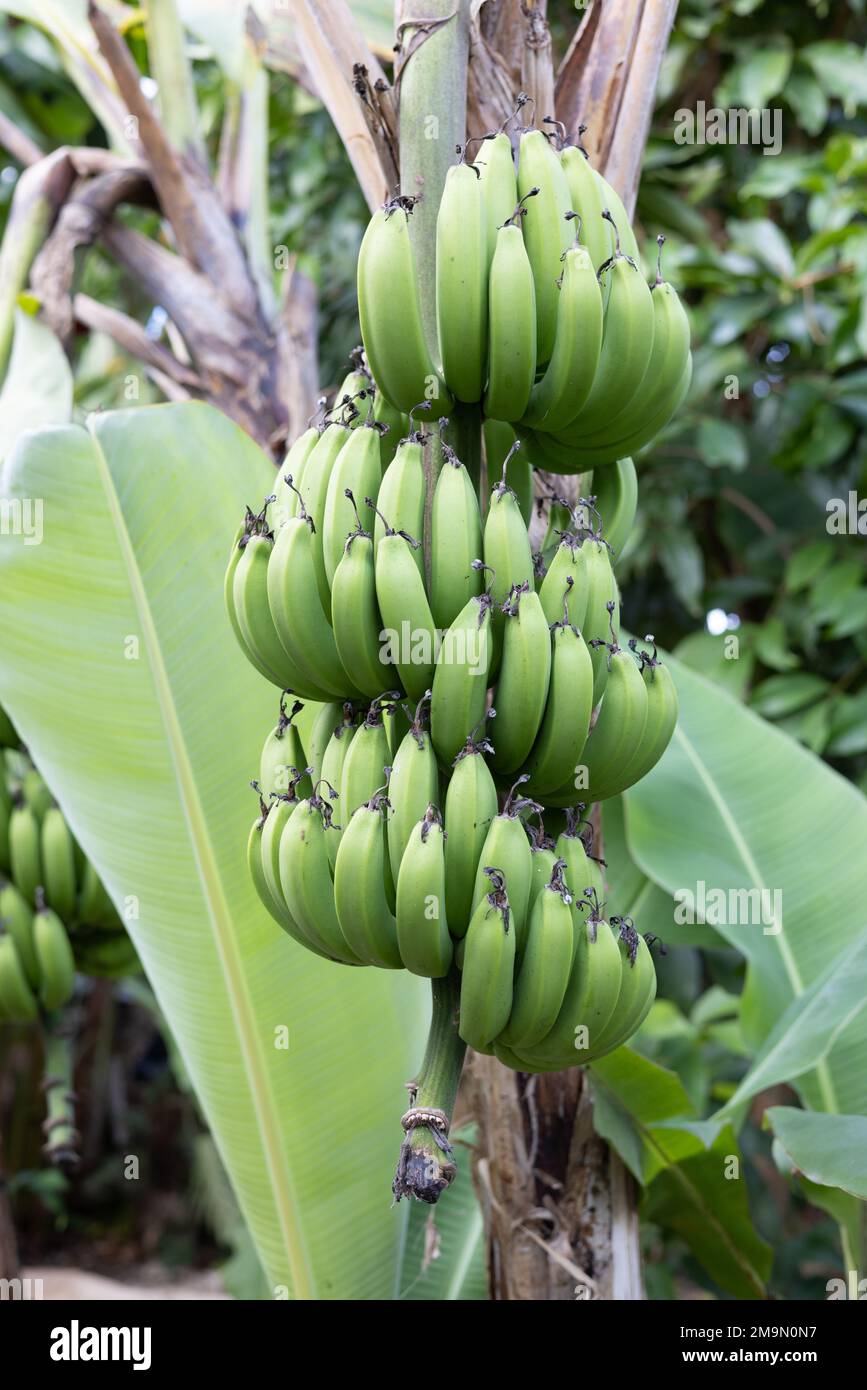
column 282, row 1185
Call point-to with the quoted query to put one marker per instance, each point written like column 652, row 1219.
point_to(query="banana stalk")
column 61, row 1136
column 426, row 1166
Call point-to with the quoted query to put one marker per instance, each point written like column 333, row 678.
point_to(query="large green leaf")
column 444, row 1256
column 828, row 1149
column 737, row 806
column 635, row 895
column 691, row 1169
column 121, row 672
column 805, row 1034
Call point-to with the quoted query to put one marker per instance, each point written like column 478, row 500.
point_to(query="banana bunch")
column 404, row 829
column 485, row 622
column 55, row 914
column 369, row 849
column 543, row 313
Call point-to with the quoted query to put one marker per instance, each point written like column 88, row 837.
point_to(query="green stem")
column 465, row 437
column 433, row 90
column 426, row 1166
column 61, row 1136
column 167, row 57
column 41, row 189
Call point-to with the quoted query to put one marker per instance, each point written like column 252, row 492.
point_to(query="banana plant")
column 150, row 726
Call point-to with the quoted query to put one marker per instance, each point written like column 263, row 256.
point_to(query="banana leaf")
column 736, row 807
column 444, row 1256
column 691, row 1169
column 120, row 670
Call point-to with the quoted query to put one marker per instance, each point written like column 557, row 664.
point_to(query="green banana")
column 591, row 997
column 580, row 459
column 360, row 899
column 560, row 523
column 54, row 954
column 570, row 457
column 301, row 621
column 616, row 501
column 627, row 343
column 402, row 492
column 329, row 716
column 506, row 543
column 58, row 864
column 108, row 956
column 357, row 385
column 545, row 966
column 355, row 614
column 612, row 200
column 616, row 736
column 362, row 770
column 637, row 989
column 275, row 906
column 660, row 723
column 668, row 359
column 331, row 772
column 470, row 807
column 394, row 424
column 388, row 307
column 286, row 501
column 312, row 492
column 281, row 807
column 95, row 907
column 586, row 198
column 258, row 658
column 456, row 541
column 16, row 915
column 5, row 814
column 488, row 965
column 406, row 617
column 599, row 616
column 511, row 325
column 570, row 374
column 36, row 794
column 569, row 705
column 499, row 443
column 460, row 683
column 569, row 563
column 305, row 879
column 25, row 852
column 357, row 472
column 542, row 858
column 413, row 786
column 495, row 162
column 546, row 231
column 507, row 850
column 583, row 872
column 249, row 603
column 422, row 926
column 462, row 282
column 17, row 1001
column 397, row 721
column 283, row 754
column 522, row 689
